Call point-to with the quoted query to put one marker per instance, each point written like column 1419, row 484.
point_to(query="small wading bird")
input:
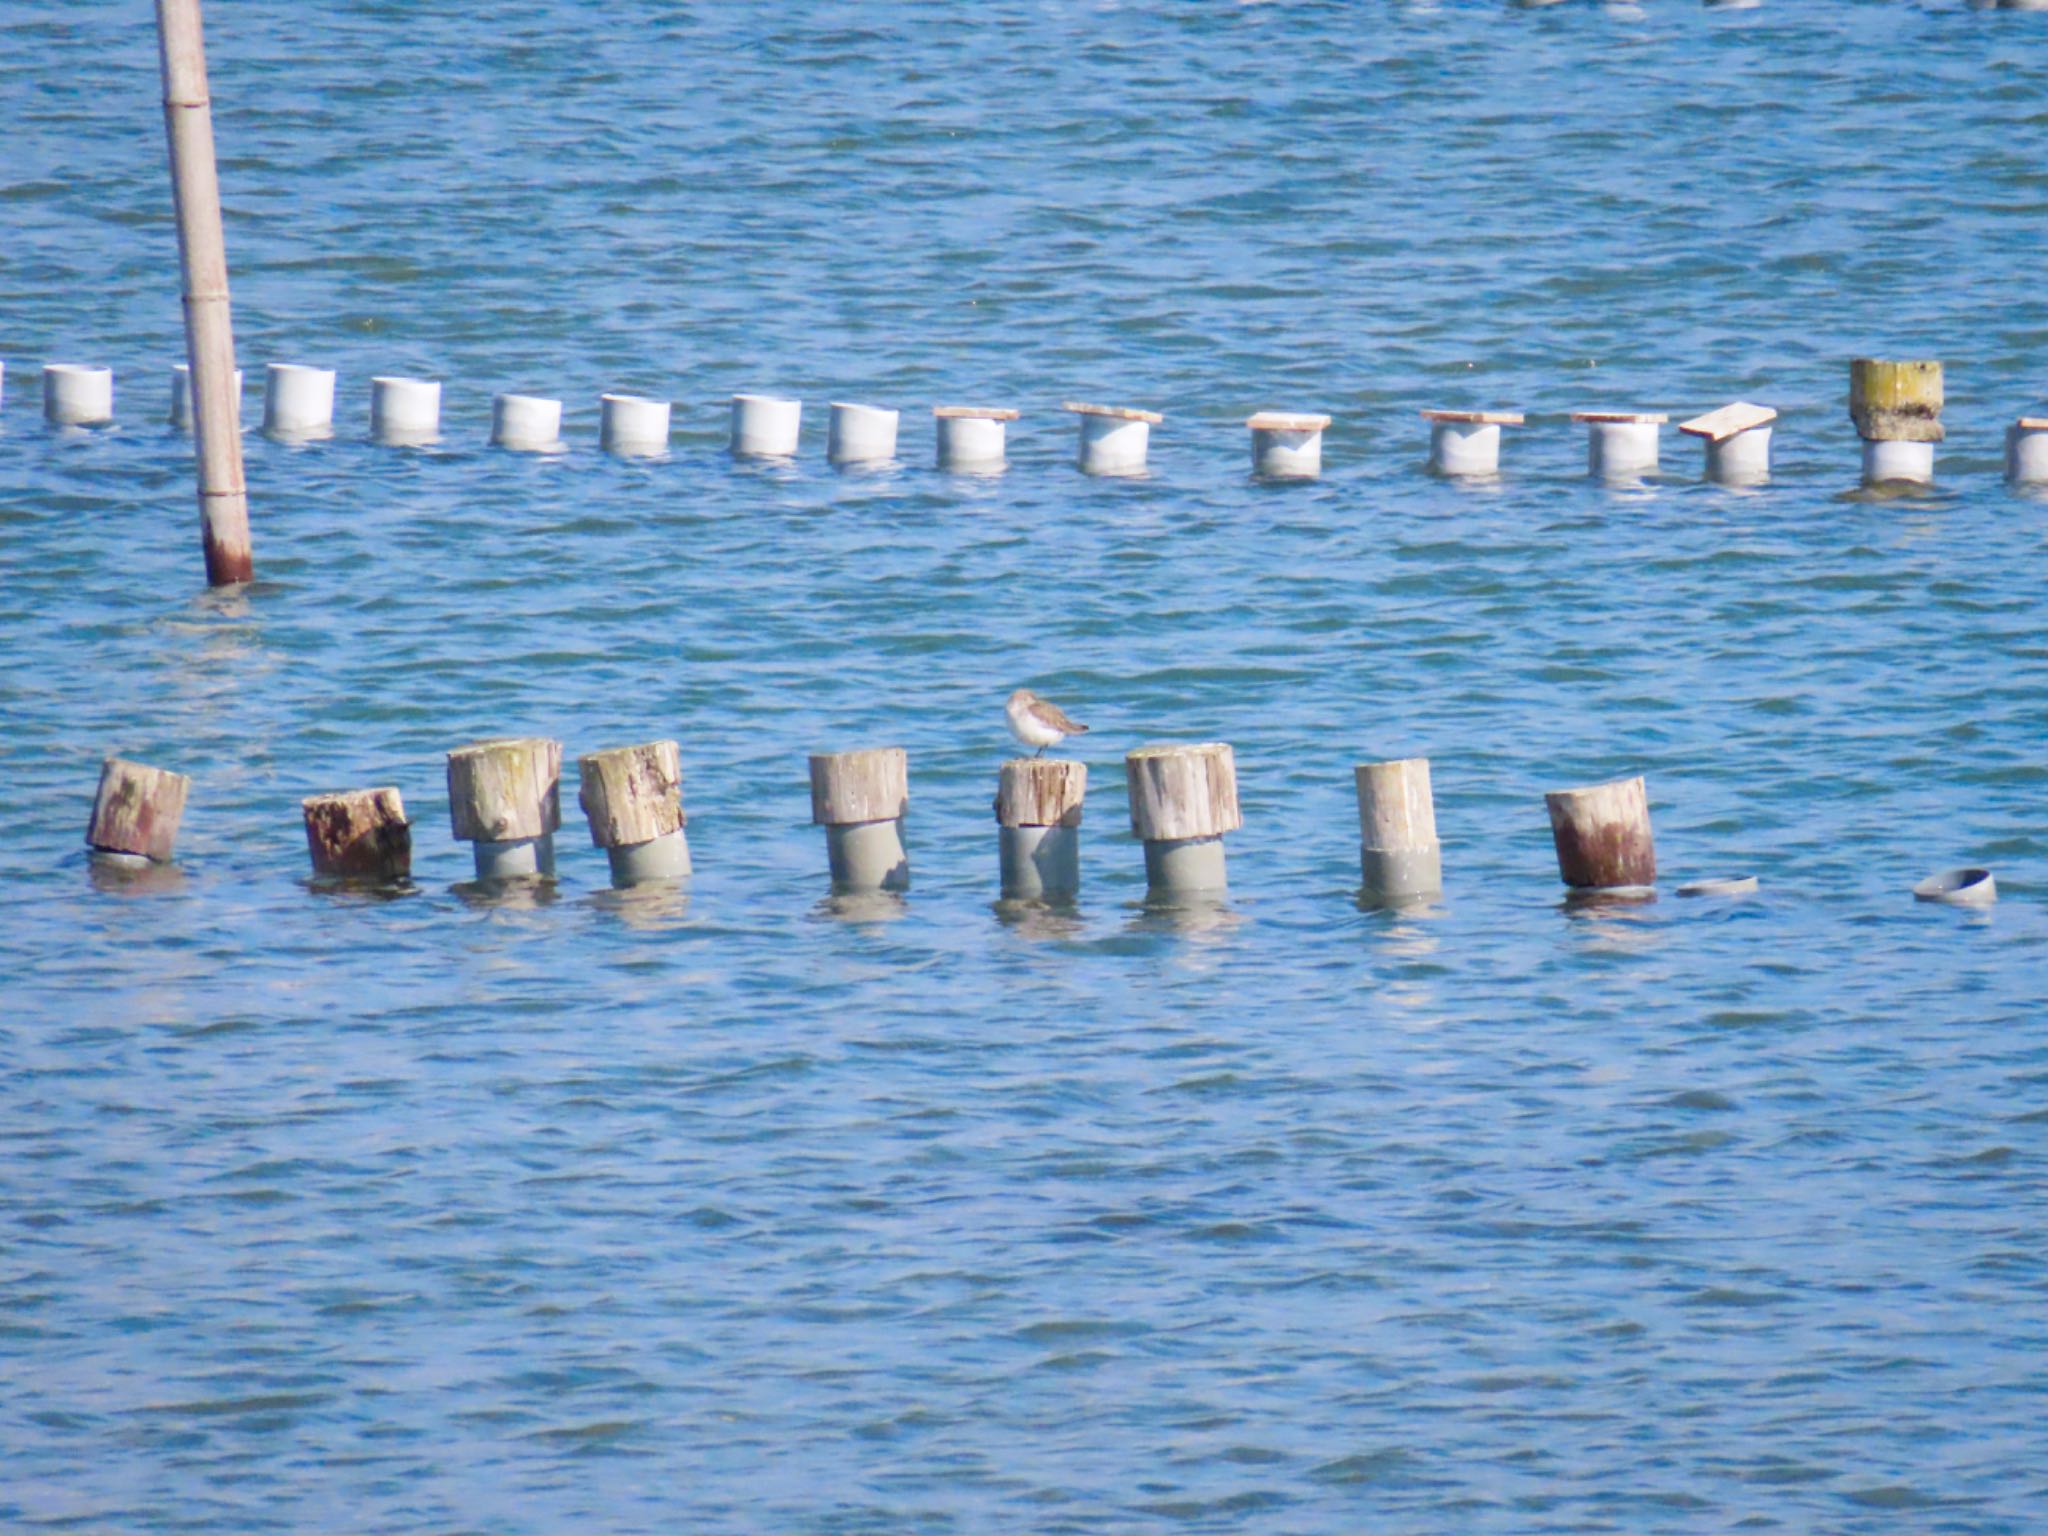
column 1037, row 722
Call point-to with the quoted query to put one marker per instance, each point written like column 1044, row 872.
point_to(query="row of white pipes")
column 298, row 404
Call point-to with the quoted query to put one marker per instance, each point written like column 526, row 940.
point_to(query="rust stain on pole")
column 209, row 329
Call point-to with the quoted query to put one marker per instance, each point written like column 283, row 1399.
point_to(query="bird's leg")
column 1039, row 753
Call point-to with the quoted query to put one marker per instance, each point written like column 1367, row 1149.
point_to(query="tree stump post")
column 136, row 813
column 359, row 834
column 1603, row 838
column 1398, row 854
column 1038, row 822
column 859, row 799
column 504, row 798
column 633, row 799
column 1183, row 799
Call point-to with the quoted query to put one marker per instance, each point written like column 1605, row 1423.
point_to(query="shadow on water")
column 360, row 890
column 651, row 904
column 520, row 893
column 1040, row 920
column 862, row 907
column 126, row 874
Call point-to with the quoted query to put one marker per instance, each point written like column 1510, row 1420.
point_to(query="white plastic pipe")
column 1620, row 450
column 298, row 401
column 764, row 427
column 1464, row 448
column 971, row 441
column 528, row 423
column 1286, row 447
column 860, row 434
column 660, row 858
column 1114, row 445
column 181, row 396
column 512, row 860
column 76, row 395
column 405, row 412
column 2026, row 454
column 1039, row 863
column 1743, row 459
column 1911, row 463
column 632, row 425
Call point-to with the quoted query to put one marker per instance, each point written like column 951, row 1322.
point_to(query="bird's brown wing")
column 1056, row 718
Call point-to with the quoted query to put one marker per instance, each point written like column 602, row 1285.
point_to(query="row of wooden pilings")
column 504, row 799
column 1896, row 407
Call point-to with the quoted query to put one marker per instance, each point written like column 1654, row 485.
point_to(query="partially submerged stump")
column 137, row 810
column 633, row 800
column 859, row 798
column 504, row 797
column 359, row 834
column 1183, row 799
column 1603, row 839
column 1399, row 859
column 1038, row 817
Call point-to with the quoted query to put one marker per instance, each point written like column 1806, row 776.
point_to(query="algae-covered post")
column 1897, row 410
column 209, row 330
column 859, row 798
column 358, row 834
column 1397, row 848
column 137, row 810
column 1738, row 439
column 504, row 798
column 1038, row 822
column 633, row 799
column 1467, row 442
column 1183, row 799
column 1603, row 837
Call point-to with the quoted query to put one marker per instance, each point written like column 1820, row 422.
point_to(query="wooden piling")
column 359, row 834
column 1603, row 836
column 1183, row 799
column 633, row 799
column 504, row 798
column 137, row 810
column 203, row 261
column 1038, row 820
column 1399, row 859
column 859, row 798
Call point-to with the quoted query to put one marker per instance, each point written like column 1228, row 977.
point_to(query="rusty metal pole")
column 209, row 329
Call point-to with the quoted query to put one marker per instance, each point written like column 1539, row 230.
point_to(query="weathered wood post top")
column 504, row 798
column 1038, row 819
column 359, row 834
column 1183, row 799
column 633, row 800
column 859, row 798
column 1738, row 442
column 1603, row 839
column 137, row 810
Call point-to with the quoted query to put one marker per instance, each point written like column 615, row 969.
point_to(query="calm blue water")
column 728, row 1212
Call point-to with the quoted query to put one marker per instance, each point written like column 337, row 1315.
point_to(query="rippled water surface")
column 731, row 1209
